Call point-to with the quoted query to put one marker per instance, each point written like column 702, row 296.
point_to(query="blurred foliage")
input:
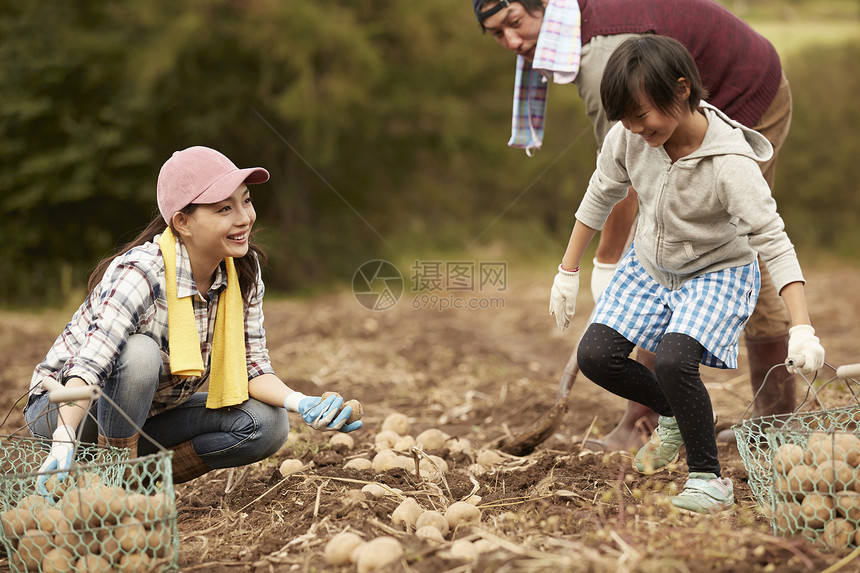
column 383, row 124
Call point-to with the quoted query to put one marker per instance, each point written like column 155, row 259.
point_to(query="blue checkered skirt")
column 711, row 308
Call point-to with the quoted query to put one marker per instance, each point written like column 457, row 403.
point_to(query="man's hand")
column 322, row 414
column 562, row 298
column 60, row 457
column 805, row 350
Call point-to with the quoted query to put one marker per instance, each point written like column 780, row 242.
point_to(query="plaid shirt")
column 130, row 299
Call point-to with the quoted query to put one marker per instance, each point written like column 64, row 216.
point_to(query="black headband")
column 486, row 14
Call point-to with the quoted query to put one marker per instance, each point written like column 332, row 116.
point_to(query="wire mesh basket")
column 109, row 513
column 804, row 467
column 106, row 512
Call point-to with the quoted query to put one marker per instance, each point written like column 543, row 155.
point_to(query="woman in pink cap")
column 180, row 306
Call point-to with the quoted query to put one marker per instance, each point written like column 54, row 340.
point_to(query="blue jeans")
column 222, row 438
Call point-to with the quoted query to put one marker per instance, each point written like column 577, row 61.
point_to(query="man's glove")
column 601, row 274
column 805, row 349
column 60, row 458
column 562, row 298
column 319, row 414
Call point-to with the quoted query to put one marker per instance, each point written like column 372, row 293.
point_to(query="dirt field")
column 478, row 375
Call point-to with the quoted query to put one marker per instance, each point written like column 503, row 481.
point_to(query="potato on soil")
column 397, row 423
column 462, row 513
column 817, row 509
column 375, row 490
column 432, row 439
column 290, row 466
column 430, row 533
column 407, row 512
column 489, row 458
column 403, row 444
column 341, row 440
column 389, row 460
column 377, row 553
column 358, row 464
column 463, row 549
column 339, row 549
column 385, row 440
column 435, row 519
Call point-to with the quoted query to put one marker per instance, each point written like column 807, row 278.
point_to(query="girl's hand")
column 804, row 351
column 562, row 298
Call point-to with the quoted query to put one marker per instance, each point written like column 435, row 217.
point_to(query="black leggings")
column 675, row 390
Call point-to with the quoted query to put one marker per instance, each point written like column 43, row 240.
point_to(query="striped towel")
column 556, row 56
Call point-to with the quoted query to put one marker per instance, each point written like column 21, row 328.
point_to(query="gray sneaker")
column 705, row 493
column 663, row 449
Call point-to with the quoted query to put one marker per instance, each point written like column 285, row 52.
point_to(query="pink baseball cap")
column 200, row 175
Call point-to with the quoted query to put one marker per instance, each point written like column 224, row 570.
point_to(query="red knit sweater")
column 739, row 67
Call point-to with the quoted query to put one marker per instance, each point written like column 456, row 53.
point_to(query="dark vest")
column 739, row 67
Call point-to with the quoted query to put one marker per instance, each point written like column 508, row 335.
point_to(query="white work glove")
column 562, row 298
column 804, row 350
column 60, row 458
column 319, row 414
column 601, row 274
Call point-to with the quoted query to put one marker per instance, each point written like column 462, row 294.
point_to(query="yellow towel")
column 228, row 377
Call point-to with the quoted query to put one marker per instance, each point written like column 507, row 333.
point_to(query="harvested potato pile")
column 817, row 489
column 87, row 525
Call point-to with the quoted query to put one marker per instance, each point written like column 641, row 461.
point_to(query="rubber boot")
column 187, row 465
column 129, row 443
column 776, row 395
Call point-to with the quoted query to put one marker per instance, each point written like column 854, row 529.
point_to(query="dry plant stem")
column 843, row 562
column 587, row 433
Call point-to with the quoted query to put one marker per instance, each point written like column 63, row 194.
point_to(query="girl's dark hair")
column 652, row 64
column 246, row 267
column 531, row 6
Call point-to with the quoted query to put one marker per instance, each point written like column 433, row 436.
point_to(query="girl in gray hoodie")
column 689, row 282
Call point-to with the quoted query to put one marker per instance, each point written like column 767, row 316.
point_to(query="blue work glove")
column 319, row 414
column 60, row 458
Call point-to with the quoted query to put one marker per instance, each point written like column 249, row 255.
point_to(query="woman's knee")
column 138, row 364
column 269, row 427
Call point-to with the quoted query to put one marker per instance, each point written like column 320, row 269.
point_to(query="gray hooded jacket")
column 708, row 211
